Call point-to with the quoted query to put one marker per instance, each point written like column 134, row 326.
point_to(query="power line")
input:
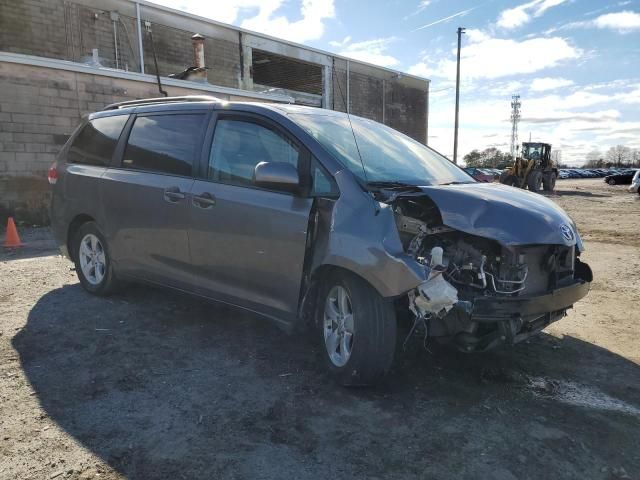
column 442, row 89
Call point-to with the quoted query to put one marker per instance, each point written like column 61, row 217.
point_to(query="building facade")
column 60, row 59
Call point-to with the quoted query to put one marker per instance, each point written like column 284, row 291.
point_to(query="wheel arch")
column 309, row 296
column 74, row 226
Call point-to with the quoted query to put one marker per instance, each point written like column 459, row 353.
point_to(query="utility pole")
column 455, row 128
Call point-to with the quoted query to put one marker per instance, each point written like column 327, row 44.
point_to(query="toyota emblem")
column 567, row 233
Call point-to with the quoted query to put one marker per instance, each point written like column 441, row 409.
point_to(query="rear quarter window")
column 97, row 141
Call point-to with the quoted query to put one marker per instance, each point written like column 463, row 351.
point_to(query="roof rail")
column 153, row 101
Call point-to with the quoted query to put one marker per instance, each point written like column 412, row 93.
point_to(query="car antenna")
column 147, row 26
column 346, row 107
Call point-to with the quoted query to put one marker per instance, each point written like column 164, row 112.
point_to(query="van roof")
column 205, row 102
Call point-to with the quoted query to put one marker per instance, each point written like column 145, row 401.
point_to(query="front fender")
column 359, row 234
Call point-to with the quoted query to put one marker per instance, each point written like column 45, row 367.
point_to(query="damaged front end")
column 500, row 266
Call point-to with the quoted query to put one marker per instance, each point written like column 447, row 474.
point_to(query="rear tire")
column 611, row 181
column 534, row 182
column 92, row 259
column 358, row 348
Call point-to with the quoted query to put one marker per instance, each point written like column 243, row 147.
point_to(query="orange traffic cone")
column 12, row 239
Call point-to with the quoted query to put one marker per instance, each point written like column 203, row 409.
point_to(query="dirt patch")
column 604, row 213
column 151, row 384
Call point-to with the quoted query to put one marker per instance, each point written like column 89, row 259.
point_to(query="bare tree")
column 619, row 155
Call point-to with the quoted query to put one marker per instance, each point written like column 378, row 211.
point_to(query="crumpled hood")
column 509, row 215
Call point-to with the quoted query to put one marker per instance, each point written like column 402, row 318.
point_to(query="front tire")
column 549, row 182
column 93, row 261
column 534, row 182
column 611, row 181
column 510, row 180
column 358, row 330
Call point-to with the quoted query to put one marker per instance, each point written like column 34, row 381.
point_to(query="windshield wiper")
column 454, row 183
column 390, row 184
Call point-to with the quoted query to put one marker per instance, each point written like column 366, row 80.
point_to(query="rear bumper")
column 58, row 227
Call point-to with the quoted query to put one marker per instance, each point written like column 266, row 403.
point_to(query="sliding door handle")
column 173, row 195
column 205, row 200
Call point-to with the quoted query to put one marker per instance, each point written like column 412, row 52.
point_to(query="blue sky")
column 575, row 63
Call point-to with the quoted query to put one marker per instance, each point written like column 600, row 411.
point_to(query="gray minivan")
column 311, row 217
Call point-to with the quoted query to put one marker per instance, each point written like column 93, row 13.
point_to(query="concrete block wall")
column 39, row 109
column 67, row 30
column 406, row 109
column 91, row 28
column 339, row 89
column 27, row 26
column 365, row 96
column 70, row 29
column 174, row 52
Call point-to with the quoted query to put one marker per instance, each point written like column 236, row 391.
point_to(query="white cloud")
column 549, row 83
column 419, row 9
column 309, row 27
column 263, row 16
column 622, row 22
column 576, row 123
column 371, row 51
column 518, row 16
column 421, row 69
column 340, row 43
column 488, row 57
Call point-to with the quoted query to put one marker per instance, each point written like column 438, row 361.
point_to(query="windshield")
column 387, row 155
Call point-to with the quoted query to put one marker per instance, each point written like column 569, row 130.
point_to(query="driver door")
column 247, row 243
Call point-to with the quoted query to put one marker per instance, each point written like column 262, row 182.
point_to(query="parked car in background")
column 480, row 174
column 277, row 210
column 622, row 178
column 564, row 173
column 635, row 183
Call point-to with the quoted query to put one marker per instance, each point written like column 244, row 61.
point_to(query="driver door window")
column 238, row 146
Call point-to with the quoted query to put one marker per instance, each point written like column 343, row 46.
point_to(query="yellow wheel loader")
column 533, row 169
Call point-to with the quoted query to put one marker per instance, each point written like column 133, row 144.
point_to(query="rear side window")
column 164, row 143
column 96, row 142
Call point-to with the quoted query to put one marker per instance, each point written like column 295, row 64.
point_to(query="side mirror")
column 276, row 176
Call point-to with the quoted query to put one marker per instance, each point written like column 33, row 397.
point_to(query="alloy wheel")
column 338, row 326
column 92, row 259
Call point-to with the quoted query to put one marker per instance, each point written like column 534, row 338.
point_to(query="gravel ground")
column 152, row 384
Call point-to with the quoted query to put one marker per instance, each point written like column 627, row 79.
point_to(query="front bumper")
column 493, row 309
column 634, row 187
column 510, row 320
